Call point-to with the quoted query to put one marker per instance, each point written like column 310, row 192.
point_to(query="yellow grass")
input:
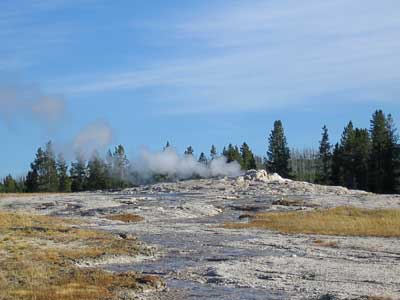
column 37, row 255
column 343, row 221
column 127, row 218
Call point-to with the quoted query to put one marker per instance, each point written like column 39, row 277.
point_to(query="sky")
column 94, row 73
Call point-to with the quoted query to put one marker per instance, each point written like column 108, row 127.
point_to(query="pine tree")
column 383, row 141
column 10, row 185
column 97, row 173
column 361, row 149
column 203, row 158
column 347, row 143
column 232, row 154
column 213, row 152
column 121, row 163
column 32, row 181
column 325, row 158
column 78, row 174
column 64, row 180
column 48, row 181
column 247, row 157
column 189, row 150
column 397, row 169
column 278, row 154
column 43, row 174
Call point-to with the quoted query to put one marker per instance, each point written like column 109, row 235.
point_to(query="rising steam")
column 170, row 165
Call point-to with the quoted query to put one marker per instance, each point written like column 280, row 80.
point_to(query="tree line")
column 50, row 172
column 367, row 159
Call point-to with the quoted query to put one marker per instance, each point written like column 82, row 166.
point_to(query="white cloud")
column 264, row 54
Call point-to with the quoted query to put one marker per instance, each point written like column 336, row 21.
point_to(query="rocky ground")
column 198, row 259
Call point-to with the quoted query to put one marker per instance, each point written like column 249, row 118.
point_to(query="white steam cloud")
column 173, row 166
column 95, row 136
column 20, row 101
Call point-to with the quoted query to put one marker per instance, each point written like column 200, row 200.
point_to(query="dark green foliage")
column 337, row 166
column 382, row 175
column 324, row 158
column 304, row 164
column 350, row 158
column 43, row 174
column 278, row 154
column 78, row 174
column 10, row 185
column 397, row 169
column 203, row 158
column 232, row 154
column 32, row 181
column 97, row 173
column 213, row 152
column 247, row 158
column 189, row 150
column 361, row 148
column 64, row 181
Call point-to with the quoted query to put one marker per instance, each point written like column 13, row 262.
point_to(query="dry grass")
column 343, row 221
column 127, row 218
column 37, row 255
column 329, row 244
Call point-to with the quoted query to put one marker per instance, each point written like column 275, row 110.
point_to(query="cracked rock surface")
column 200, row 260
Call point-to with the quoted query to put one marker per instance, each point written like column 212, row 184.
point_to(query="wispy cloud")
column 264, row 54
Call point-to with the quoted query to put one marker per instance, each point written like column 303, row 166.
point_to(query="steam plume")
column 95, row 136
column 171, row 165
column 17, row 101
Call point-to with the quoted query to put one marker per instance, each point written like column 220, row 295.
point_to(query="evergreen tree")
column 213, row 152
column 361, row 149
column 64, row 180
column 97, row 173
column 325, row 158
column 189, row 150
column 43, row 174
column 121, row 163
column 382, row 156
column 48, row 181
column 247, row 157
column 278, row 154
column 78, row 174
column 232, row 154
column 397, row 169
column 347, row 143
column 10, row 185
column 32, row 181
column 203, row 158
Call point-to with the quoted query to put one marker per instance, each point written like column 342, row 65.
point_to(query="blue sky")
column 88, row 73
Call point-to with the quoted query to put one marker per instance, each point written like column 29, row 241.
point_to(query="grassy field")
column 37, row 255
column 343, row 221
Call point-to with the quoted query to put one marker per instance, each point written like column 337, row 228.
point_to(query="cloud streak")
column 263, row 55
